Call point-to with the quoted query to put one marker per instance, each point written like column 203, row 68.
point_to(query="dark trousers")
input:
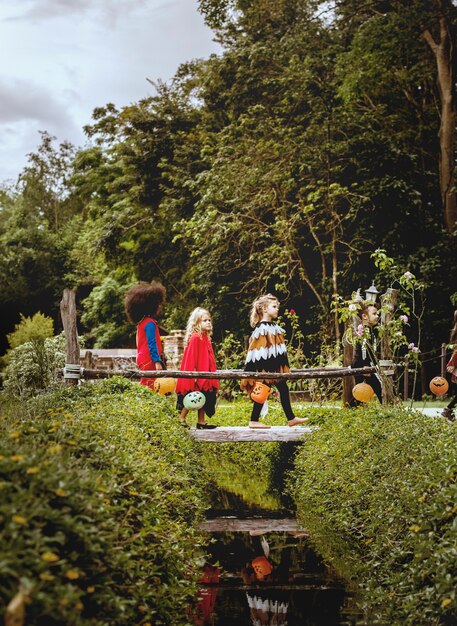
column 284, row 396
column 453, row 401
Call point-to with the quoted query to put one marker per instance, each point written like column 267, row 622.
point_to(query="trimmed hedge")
column 377, row 491
column 101, row 493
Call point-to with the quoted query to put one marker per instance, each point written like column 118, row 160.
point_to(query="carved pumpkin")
column 163, row 386
column 194, row 400
column 260, row 393
column 262, row 567
column 439, row 385
column 363, row 392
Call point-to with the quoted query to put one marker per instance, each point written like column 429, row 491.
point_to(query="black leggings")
column 453, row 401
column 284, row 396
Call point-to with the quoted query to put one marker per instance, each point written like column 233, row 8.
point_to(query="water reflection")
column 268, row 578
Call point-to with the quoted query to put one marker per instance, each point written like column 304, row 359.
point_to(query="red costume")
column 149, row 348
column 198, row 357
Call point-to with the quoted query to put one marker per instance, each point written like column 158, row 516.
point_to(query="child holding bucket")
column 267, row 352
column 198, row 356
column 143, row 303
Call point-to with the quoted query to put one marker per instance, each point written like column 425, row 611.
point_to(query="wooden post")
column 348, row 381
column 406, row 379
column 388, row 301
column 443, row 360
column 68, row 314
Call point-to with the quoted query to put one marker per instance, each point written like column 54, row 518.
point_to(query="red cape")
column 198, row 357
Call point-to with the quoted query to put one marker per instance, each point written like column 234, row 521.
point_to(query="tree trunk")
column 443, row 51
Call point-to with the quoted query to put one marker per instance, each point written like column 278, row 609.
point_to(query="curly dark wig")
column 143, row 300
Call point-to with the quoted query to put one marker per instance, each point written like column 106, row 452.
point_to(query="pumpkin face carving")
column 194, row 400
column 163, row 386
column 363, row 392
column 260, row 393
column 439, row 385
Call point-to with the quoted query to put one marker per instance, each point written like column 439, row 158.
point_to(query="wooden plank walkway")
column 226, row 434
column 254, row 524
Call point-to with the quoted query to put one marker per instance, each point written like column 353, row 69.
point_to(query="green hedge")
column 377, row 491
column 100, row 494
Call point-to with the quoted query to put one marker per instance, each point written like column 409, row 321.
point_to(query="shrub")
column 34, row 366
column 101, row 497
column 377, row 491
column 38, row 327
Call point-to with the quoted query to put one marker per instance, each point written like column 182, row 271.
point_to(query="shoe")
column 258, row 425
column 184, row 424
column 448, row 414
column 205, row 426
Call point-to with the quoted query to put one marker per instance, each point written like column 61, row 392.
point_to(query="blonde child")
column 198, row 356
column 267, row 352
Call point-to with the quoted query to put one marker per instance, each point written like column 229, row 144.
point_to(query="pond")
column 261, row 570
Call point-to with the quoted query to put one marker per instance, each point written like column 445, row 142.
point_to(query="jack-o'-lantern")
column 439, row 385
column 260, row 393
column 194, row 400
column 363, row 392
column 163, row 386
column 262, row 567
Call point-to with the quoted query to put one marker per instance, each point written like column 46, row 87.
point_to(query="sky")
column 59, row 59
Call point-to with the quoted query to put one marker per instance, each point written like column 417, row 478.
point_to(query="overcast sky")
column 59, row 59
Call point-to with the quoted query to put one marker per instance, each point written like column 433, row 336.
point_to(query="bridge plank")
column 226, row 434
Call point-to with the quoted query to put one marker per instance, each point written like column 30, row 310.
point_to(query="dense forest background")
column 323, row 131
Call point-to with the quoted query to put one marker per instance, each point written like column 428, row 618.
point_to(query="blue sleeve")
column 150, row 331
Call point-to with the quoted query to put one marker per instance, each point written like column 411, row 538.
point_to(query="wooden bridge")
column 227, row 434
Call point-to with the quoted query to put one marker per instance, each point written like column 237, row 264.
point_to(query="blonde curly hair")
column 194, row 323
column 258, row 307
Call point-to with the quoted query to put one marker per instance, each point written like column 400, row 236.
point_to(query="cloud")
column 24, row 100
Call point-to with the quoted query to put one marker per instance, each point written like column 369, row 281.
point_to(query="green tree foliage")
column 313, row 139
column 38, row 327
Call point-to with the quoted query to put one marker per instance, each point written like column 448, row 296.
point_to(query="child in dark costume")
column 365, row 353
column 267, row 352
column 143, row 303
column 198, row 357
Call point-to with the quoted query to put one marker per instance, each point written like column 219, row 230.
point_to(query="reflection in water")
column 262, row 579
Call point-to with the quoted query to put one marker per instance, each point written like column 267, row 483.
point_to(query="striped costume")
column 267, row 352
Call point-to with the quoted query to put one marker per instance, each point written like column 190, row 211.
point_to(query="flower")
column 72, row 574
column 19, row 519
column 352, row 308
column 408, row 275
column 360, row 330
column 410, row 346
column 404, row 319
column 292, row 311
column 49, row 557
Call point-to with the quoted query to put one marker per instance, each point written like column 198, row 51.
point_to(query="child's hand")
column 159, row 366
column 451, row 369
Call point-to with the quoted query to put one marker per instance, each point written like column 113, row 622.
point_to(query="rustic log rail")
column 295, row 374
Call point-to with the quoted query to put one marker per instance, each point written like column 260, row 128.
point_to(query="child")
column 365, row 353
column 452, row 369
column 198, row 356
column 144, row 302
column 267, row 353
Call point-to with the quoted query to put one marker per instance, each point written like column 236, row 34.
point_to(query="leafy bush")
column 377, row 491
column 37, row 327
column 101, row 496
column 34, row 366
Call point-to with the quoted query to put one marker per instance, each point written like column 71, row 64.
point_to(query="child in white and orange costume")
column 267, row 352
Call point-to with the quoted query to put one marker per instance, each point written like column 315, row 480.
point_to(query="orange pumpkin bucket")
column 262, row 567
column 260, row 393
column 363, row 392
column 439, row 386
column 163, row 386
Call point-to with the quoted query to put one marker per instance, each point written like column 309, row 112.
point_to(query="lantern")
column 164, row 386
column 194, row 400
column 439, row 385
column 371, row 294
column 260, row 393
column 363, row 392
